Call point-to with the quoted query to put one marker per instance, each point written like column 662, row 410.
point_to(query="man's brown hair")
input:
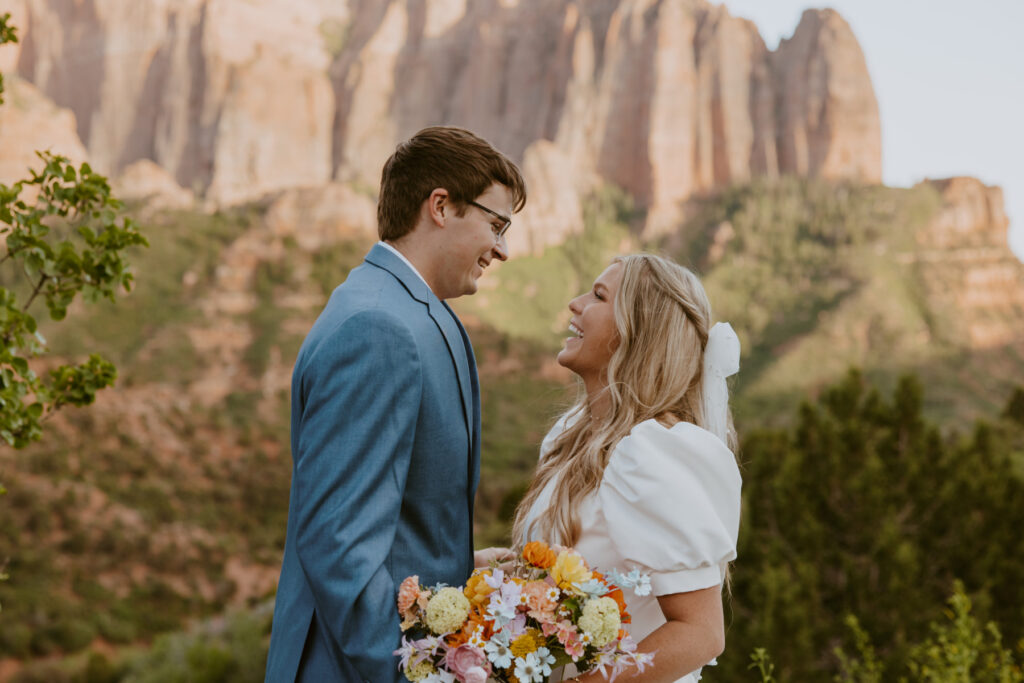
column 441, row 156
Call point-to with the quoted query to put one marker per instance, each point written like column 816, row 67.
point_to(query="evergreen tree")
column 864, row 508
column 1015, row 406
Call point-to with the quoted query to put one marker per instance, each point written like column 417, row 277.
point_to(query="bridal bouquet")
column 551, row 609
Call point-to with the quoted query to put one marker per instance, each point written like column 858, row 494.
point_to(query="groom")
column 386, row 415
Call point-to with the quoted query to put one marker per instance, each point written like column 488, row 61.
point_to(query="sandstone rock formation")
column 972, row 213
column 29, row 121
column 665, row 98
column 968, row 267
column 828, row 115
column 232, row 98
column 144, row 180
column 322, row 216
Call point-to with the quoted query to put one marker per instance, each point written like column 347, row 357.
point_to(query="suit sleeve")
column 361, row 391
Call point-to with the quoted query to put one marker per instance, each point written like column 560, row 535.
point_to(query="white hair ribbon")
column 721, row 360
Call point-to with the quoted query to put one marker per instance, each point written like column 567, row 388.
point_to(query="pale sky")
column 949, row 77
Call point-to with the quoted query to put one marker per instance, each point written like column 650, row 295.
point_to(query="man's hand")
column 487, row 556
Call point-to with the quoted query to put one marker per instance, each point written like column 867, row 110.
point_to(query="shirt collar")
column 404, row 260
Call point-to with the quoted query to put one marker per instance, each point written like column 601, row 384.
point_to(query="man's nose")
column 501, row 249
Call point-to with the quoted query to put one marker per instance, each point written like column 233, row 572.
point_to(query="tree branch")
column 35, row 292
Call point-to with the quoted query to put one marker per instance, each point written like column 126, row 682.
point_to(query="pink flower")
column 542, row 607
column 566, row 631
column 462, row 661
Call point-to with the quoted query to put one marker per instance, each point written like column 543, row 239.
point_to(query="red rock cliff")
column 665, row 98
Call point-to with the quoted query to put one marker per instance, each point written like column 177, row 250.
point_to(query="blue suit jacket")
column 386, row 449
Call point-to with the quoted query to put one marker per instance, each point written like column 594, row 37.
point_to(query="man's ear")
column 438, row 206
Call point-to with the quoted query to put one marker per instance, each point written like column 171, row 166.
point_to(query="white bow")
column 721, row 360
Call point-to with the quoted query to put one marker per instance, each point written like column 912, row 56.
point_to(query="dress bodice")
column 668, row 504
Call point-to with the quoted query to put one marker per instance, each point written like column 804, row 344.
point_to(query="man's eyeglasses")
column 499, row 231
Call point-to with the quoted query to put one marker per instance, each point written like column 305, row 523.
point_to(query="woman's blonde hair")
column 662, row 317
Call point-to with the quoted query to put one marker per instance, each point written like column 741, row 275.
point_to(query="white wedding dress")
column 669, row 504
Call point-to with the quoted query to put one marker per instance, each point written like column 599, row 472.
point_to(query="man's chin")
column 467, row 290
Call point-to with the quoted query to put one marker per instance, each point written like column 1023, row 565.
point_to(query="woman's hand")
column 484, row 558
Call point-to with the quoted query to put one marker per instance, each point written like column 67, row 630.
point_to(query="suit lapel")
column 442, row 316
column 445, row 320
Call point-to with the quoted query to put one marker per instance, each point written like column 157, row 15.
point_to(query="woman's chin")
column 564, row 358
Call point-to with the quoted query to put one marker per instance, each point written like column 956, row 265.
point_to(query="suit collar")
column 382, row 257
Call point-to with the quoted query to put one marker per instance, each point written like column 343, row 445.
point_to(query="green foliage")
column 63, row 234
column 145, row 334
column 1015, row 406
column 87, row 259
column 233, row 650
column 795, row 263
column 518, row 408
column 864, row 508
column 8, row 34
column 762, row 661
column 866, row 669
column 959, row 650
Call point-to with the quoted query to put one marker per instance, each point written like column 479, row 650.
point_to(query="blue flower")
column 592, row 588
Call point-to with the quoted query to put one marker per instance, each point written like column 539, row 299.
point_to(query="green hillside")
column 165, row 503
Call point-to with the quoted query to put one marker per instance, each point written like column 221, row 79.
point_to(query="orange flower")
column 458, row 638
column 477, row 589
column 539, row 554
column 407, row 593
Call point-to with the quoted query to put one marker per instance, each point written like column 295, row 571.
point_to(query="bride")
column 640, row 473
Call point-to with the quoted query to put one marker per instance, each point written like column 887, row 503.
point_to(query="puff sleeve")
column 671, row 501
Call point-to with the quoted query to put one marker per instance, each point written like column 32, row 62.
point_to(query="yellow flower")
column 526, row 643
column 600, row 619
column 477, row 589
column 570, row 568
column 417, row 672
column 447, row 610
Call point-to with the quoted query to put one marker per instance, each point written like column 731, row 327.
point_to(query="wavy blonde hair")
column 662, row 318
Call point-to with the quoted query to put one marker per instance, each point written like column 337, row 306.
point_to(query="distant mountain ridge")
column 664, row 98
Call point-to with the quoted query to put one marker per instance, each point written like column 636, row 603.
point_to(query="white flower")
column 545, row 659
column 643, row 584
column 440, row 677
column 500, row 611
column 477, row 639
column 498, row 652
column 528, row 669
column 553, row 594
